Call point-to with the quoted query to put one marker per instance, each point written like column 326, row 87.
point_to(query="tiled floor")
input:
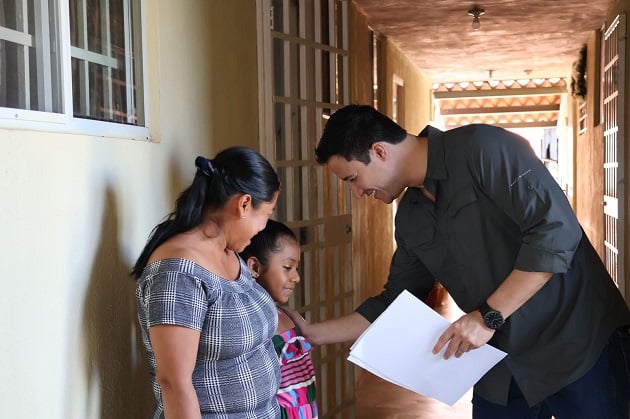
column 379, row 399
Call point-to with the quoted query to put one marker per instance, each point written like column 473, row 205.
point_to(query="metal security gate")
column 613, row 76
column 303, row 67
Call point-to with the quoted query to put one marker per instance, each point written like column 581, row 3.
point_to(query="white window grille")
column 77, row 63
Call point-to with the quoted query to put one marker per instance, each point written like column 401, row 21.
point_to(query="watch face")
column 493, row 319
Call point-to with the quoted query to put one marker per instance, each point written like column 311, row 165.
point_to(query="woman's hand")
column 467, row 333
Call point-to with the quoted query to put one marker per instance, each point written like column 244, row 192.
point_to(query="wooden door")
column 304, row 78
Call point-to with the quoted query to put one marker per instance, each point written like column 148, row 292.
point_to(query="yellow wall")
column 76, row 211
column 417, row 89
column 373, row 219
column 589, row 156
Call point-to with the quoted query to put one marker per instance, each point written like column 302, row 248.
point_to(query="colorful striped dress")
column 297, row 392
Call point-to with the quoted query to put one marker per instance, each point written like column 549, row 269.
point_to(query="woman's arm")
column 175, row 350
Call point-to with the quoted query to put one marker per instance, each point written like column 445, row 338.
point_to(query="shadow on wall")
column 115, row 355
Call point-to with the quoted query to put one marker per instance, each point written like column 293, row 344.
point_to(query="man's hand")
column 299, row 321
column 466, row 334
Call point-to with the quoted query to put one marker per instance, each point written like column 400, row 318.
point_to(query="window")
column 79, row 59
column 29, row 56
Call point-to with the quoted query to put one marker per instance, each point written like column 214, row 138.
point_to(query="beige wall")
column 372, row 219
column 589, row 156
column 76, row 211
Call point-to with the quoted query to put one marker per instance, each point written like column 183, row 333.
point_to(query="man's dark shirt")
column 497, row 209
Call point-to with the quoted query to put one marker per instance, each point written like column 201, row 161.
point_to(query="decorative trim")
column 578, row 76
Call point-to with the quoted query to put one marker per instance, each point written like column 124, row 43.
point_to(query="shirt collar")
column 436, row 169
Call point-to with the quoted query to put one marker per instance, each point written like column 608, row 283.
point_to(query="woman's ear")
column 244, row 205
column 254, row 266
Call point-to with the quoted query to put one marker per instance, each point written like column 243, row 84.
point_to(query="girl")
column 206, row 324
column 273, row 257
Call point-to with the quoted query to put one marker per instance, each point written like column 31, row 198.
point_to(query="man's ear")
column 254, row 266
column 379, row 150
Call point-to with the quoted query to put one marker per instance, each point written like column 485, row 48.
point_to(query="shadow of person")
column 115, row 357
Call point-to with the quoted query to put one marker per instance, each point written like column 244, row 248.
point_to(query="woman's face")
column 280, row 275
column 255, row 219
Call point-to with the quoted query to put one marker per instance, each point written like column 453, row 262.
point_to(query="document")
column 397, row 347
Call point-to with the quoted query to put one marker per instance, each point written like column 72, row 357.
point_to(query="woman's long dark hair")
column 235, row 170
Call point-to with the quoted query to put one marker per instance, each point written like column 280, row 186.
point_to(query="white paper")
column 397, row 347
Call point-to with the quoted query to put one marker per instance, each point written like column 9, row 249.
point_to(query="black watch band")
column 493, row 319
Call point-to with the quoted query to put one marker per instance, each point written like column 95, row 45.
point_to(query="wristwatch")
column 492, row 318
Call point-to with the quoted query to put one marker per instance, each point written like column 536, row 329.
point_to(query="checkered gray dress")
column 237, row 372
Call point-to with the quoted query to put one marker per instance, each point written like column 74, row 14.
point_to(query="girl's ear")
column 254, row 266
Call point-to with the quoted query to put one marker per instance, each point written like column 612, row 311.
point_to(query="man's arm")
column 469, row 331
column 341, row 329
column 507, row 171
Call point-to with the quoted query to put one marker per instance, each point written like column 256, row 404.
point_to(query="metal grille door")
column 613, row 74
column 304, row 74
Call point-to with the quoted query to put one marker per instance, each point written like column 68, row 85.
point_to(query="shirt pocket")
column 464, row 225
column 462, row 199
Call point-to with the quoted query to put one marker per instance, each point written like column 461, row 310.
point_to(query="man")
column 481, row 214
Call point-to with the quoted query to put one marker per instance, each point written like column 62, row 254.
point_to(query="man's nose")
column 356, row 191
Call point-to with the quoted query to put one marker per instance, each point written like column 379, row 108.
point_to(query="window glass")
column 103, row 73
column 106, row 60
column 30, row 65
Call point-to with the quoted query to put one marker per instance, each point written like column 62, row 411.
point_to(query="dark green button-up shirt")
column 497, row 209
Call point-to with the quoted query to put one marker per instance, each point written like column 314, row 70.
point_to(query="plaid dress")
column 237, row 373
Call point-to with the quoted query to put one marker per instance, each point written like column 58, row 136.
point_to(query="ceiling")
column 517, row 40
column 539, row 36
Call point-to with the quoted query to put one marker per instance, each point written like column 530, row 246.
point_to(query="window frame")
column 66, row 122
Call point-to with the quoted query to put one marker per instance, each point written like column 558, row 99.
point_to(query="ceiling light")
column 475, row 12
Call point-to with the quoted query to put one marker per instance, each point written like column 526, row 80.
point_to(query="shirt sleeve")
column 406, row 272
column 513, row 177
column 177, row 299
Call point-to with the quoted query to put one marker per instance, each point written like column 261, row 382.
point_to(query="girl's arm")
column 175, row 350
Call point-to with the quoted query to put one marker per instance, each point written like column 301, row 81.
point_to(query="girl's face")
column 280, row 276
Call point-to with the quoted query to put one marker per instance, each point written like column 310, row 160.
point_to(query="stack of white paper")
column 397, row 347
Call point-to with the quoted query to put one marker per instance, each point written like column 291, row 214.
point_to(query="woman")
column 206, row 324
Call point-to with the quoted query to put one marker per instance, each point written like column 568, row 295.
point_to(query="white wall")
column 75, row 213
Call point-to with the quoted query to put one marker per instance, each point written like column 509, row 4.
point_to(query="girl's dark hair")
column 267, row 241
column 351, row 131
column 235, row 170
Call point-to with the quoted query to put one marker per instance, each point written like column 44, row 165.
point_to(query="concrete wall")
column 76, row 211
column 589, row 155
column 373, row 219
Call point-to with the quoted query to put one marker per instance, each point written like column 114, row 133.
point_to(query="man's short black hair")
column 351, row 131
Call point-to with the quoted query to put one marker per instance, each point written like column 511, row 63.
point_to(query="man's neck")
column 414, row 157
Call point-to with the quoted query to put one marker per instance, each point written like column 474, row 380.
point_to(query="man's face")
column 374, row 179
